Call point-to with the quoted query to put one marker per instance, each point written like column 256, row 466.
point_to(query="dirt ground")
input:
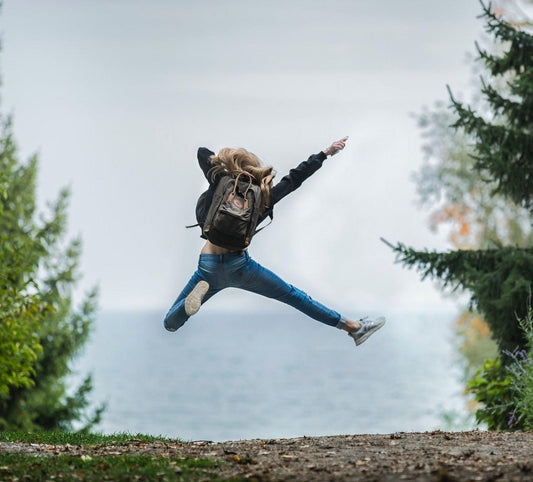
column 432, row 456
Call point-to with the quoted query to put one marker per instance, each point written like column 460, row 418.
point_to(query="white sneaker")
column 368, row 327
column 194, row 300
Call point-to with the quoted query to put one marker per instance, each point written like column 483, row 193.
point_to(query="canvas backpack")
column 234, row 212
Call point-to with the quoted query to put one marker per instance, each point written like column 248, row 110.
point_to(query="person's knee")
column 171, row 324
column 167, row 327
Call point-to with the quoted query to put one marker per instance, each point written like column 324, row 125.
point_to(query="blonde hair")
column 233, row 161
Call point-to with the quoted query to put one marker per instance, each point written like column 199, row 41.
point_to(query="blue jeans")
column 238, row 270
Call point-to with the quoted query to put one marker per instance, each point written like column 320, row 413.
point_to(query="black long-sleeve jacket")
column 285, row 186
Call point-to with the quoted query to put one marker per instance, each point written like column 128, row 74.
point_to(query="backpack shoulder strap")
column 219, row 190
column 271, row 216
column 226, row 183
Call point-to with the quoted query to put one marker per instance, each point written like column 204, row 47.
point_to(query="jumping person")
column 220, row 267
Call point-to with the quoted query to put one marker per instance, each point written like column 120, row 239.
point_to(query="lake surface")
column 229, row 376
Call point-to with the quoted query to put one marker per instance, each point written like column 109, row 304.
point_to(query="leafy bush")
column 506, row 392
column 492, row 387
column 521, row 371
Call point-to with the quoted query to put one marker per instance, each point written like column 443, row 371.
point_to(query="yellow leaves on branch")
column 475, row 324
column 460, row 217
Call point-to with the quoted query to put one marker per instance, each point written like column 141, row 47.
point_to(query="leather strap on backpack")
column 250, row 182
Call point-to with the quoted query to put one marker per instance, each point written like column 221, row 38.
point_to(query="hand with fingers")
column 336, row 147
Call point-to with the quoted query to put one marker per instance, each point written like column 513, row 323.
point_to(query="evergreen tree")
column 460, row 199
column 40, row 331
column 499, row 278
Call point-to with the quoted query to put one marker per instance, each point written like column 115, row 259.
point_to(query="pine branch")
column 520, row 51
column 512, row 112
column 495, row 278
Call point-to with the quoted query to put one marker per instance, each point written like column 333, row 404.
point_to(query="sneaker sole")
column 194, row 300
column 366, row 336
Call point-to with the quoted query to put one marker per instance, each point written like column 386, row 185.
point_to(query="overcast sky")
column 116, row 96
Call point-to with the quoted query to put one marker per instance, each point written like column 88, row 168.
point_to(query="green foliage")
column 492, row 387
column 19, row 343
column 521, row 370
column 40, row 330
column 506, row 392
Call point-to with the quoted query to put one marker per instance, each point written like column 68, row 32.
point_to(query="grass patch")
column 75, row 438
column 86, row 468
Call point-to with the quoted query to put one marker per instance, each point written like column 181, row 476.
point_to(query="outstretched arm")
column 305, row 169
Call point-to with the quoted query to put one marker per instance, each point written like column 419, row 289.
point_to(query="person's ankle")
column 351, row 326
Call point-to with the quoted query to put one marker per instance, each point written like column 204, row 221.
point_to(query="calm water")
column 247, row 375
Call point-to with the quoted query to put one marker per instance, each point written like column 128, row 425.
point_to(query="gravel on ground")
column 431, row 456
